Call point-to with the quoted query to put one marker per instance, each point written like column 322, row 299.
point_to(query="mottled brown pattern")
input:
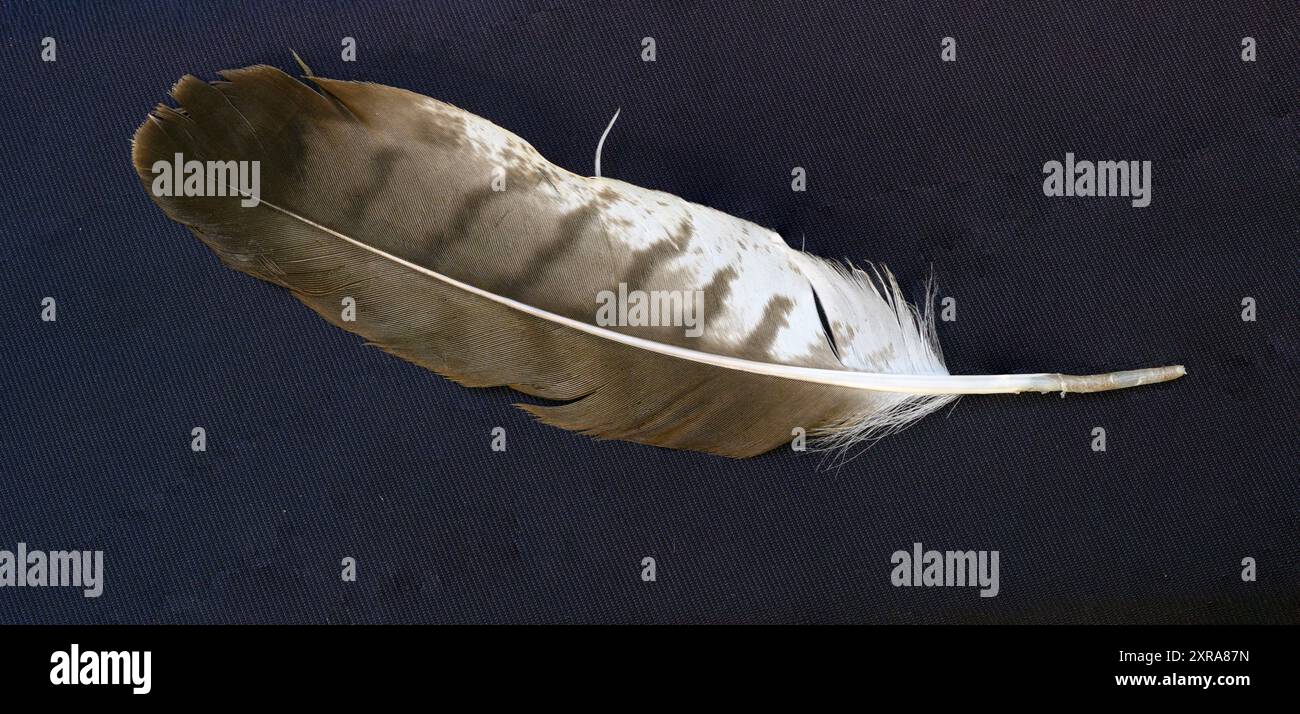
column 420, row 190
column 717, row 291
column 648, row 260
column 759, row 340
column 569, row 234
column 448, row 133
column 466, row 218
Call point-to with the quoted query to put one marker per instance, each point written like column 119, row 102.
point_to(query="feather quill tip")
column 1113, row 380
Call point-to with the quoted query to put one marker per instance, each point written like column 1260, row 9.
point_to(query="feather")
column 469, row 254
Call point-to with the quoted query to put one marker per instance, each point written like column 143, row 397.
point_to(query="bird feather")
column 470, row 254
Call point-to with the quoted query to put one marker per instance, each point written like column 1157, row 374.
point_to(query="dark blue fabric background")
column 321, row 448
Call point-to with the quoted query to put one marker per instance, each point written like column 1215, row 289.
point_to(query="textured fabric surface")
column 320, row 448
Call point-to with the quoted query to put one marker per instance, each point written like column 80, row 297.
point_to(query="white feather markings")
column 918, row 384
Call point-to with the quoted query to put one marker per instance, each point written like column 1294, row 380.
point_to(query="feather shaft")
column 900, row 383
